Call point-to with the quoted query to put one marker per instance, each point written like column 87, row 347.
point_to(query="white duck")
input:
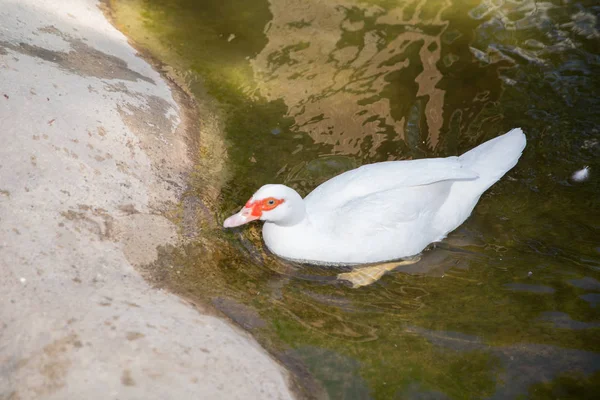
column 379, row 212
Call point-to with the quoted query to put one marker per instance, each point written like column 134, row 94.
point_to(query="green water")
column 297, row 91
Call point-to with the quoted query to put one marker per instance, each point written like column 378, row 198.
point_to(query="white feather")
column 581, row 175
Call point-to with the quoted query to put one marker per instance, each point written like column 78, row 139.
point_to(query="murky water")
column 297, row 91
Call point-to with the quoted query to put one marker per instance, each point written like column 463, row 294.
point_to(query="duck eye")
column 271, row 202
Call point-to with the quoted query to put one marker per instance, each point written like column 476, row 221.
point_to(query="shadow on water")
column 297, row 91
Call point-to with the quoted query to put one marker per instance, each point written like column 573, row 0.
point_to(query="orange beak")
column 251, row 212
column 243, row 217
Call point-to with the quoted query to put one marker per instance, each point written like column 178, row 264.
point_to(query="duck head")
column 278, row 204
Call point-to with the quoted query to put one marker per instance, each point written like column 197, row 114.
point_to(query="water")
column 297, row 91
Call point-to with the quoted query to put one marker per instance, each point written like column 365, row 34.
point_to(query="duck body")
column 380, row 212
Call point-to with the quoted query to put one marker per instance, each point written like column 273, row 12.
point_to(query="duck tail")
column 494, row 158
column 491, row 160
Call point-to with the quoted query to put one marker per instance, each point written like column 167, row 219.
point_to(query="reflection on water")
column 336, row 66
column 295, row 92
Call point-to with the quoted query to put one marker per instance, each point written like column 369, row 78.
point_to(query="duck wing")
column 390, row 210
column 381, row 177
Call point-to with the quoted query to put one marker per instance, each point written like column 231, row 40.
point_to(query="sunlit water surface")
column 298, row 91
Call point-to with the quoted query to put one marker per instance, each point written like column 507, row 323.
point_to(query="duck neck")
column 298, row 215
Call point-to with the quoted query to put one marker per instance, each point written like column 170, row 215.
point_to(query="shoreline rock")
column 96, row 152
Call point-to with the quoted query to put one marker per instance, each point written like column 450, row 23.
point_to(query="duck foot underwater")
column 364, row 276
